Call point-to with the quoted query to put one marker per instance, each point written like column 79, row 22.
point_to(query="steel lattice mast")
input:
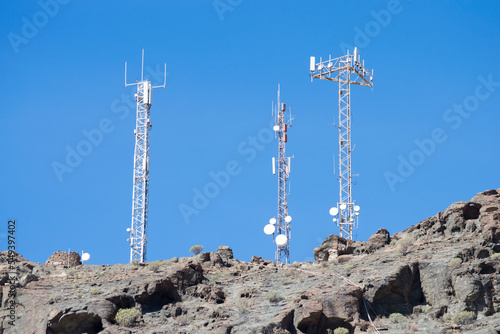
column 280, row 226
column 346, row 70
column 140, row 194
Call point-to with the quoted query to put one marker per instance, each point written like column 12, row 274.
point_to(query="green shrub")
column 463, row 318
column 274, row 297
column 455, row 262
column 396, row 318
column 341, row 330
column 95, row 291
column 196, row 249
column 127, row 316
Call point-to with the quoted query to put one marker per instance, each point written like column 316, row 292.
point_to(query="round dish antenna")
column 356, row 208
column 272, row 221
column 85, row 256
column 343, row 206
column 281, row 240
column 276, row 127
column 288, row 219
column 334, row 220
column 334, row 211
column 128, row 229
column 269, row 229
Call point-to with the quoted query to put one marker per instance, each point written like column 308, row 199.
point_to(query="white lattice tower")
column 279, row 226
column 140, row 193
column 346, row 70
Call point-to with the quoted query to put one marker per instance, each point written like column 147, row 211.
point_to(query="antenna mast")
column 346, row 70
column 281, row 224
column 140, row 193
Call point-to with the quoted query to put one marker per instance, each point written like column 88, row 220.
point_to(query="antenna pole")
column 140, row 192
column 282, row 221
column 142, row 66
column 346, row 70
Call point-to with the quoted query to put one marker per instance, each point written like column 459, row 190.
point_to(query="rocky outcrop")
column 441, row 275
column 59, row 258
column 333, row 247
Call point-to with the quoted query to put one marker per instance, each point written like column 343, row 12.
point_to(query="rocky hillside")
column 439, row 276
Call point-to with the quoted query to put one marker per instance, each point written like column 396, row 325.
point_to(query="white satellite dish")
column 276, row 127
column 128, row 229
column 272, row 221
column 357, row 213
column 85, row 256
column 334, row 211
column 269, row 229
column 334, row 220
column 288, row 219
column 356, row 208
column 281, row 240
column 343, row 206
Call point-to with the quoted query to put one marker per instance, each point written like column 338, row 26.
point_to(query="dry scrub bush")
column 127, row 316
column 463, row 318
column 196, row 249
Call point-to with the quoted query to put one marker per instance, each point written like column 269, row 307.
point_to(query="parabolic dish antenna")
column 288, row 219
column 272, row 221
column 276, row 127
column 281, row 240
column 85, row 256
column 343, row 206
column 334, row 211
column 269, row 229
column 356, row 208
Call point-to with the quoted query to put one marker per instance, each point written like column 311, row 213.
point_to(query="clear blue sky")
column 436, row 83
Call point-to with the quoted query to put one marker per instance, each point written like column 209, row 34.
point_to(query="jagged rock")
column 26, row 279
column 376, row 241
column 256, row 259
column 398, row 292
column 331, row 248
column 322, row 310
column 225, row 252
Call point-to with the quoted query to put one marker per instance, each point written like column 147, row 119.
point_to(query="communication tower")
column 346, row 70
column 140, row 194
column 280, row 225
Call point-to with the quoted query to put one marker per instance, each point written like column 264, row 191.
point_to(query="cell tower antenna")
column 279, row 227
column 140, row 194
column 346, row 70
